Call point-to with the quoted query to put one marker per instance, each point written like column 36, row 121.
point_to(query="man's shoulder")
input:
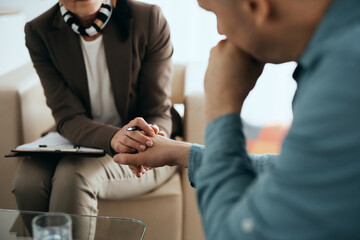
column 345, row 45
column 339, row 54
column 332, row 75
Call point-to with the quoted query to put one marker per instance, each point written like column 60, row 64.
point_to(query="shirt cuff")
column 195, row 159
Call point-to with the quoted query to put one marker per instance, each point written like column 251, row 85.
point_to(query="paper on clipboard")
column 54, row 142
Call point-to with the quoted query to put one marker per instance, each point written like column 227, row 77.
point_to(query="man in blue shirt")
column 311, row 190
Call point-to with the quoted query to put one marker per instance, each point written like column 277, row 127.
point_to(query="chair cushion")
column 160, row 210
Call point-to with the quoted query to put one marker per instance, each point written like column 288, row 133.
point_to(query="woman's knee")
column 32, row 182
column 33, row 174
column 75, row 177
column 76, row 173
column 31, row 188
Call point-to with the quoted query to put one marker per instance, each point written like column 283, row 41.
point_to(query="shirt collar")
column 339, row 15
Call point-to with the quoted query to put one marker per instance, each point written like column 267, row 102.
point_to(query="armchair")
column 169, row 212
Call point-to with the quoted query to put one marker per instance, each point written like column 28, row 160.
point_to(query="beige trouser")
column 73, row 184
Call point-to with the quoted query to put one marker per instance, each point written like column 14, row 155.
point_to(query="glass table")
column 16, row 224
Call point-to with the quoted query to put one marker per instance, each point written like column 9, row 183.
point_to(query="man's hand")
column 164, row 152
column 230, row 76
column 133, row 141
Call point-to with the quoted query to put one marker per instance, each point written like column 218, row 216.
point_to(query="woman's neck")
column 87, row 21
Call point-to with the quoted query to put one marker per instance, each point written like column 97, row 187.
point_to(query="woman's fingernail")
column 142, row 147
column 149, row 143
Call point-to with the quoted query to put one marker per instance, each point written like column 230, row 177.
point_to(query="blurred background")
column 193, row 34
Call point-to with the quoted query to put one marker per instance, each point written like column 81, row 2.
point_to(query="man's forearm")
column 180, row 152
column 226, row 171
column 260, row 162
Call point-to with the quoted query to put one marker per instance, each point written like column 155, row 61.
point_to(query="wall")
column 13, row 52
column 193, row 32
column 30, row 8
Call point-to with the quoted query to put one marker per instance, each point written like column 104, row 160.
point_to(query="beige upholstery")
column 160, row 210
column 178, row 84
column 194, row 120
column 23, row 116
column 169, row 212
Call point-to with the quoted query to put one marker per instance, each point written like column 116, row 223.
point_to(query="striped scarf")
column 101, row 20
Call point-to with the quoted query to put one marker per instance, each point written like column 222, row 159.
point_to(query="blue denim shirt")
column 311, row 190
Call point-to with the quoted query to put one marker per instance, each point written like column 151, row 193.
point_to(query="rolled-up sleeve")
column 195, row 159
column 260, row 162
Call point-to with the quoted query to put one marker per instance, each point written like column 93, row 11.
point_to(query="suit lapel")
column 119, row 57
column 68, row 54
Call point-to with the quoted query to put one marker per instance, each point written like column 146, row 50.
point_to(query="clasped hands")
column 230, row 76
column 130, row 142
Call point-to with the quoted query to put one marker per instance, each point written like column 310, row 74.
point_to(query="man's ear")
column 259, row 10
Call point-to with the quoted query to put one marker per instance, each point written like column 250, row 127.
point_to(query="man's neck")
column 306, row 16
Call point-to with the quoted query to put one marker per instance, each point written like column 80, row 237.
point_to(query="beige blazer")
column 140, row 72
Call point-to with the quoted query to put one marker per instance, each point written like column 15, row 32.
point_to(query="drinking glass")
column 52, row 226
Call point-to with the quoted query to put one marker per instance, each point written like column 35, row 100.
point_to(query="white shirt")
column 102, row 102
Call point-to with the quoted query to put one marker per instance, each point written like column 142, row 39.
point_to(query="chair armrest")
column 192, row 220
column 194, row 127
column 23, row 117
column 194, row 118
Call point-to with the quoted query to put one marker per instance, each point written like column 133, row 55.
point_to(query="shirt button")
column 247, row 225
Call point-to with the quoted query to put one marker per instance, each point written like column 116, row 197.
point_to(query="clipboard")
column 53, row 144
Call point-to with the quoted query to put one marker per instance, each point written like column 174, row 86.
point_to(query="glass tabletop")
column 16, row 224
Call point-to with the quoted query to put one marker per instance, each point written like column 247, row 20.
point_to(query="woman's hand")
column 133, row 141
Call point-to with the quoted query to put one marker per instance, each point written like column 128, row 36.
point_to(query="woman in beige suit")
column 104, row 66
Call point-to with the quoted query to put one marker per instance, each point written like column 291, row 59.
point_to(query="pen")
column 135, row 128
